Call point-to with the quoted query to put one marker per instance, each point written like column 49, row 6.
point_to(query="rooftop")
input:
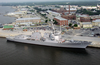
column 15, row 13
column 52, row 12
column 24, row 9
column 86, row 23
column 71, row 9
column 28, row 18
column 60, row 18
column 84, row 15
column 97, row 20
column 8, row 26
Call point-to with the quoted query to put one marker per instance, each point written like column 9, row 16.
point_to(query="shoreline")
column 89, row 46
column 4, row 34
column 4, row 15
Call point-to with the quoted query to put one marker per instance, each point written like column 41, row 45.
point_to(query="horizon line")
column 46, row 1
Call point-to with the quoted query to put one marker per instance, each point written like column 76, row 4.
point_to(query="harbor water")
column 13, row 53
column 5, row 19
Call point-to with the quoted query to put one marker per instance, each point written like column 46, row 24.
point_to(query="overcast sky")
column 41, row 0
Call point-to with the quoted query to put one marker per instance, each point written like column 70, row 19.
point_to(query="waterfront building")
column 1, row 25
column 61, row 21
column 28, row 20
column 23, row 10
column 8, row 27
column 15, row 13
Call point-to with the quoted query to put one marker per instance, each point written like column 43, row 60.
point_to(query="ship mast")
column 60, row 28
column 53, row 27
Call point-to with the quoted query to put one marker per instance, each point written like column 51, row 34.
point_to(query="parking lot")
column 94, row 32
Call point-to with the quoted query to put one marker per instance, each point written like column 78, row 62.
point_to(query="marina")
column 15, row 53
column 48, row 39
column 95, row 41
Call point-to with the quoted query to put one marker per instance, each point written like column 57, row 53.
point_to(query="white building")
column 53, row 13
column 96, row 22
column 88, row 7
column 28, row 20
column 15, row 13
column 86, row 24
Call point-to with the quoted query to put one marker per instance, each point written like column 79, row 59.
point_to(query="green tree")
column 75, row 25
column 70, row 25
column 46, row 21
column 49, row 19
column 55, row 22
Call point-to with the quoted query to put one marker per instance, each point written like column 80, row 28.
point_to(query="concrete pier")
column 95, row 41
column 5, row 33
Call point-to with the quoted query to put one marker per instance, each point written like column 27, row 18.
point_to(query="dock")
column 95, row 41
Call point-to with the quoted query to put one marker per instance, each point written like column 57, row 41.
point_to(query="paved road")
column 82, row 38
column 40, row 16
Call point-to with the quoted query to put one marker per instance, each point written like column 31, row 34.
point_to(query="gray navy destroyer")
column 48, row 39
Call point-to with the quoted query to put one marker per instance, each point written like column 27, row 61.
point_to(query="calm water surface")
column 12, row 53
column 5, row 19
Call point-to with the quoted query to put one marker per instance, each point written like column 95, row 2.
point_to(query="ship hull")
column 63, row 45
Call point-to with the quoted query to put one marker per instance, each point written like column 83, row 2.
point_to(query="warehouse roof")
column 52, row 12
column 86, row 23
column 14, row 13
column 8, row 26
column 60, row 18
column 28, row 18
column 97, row 20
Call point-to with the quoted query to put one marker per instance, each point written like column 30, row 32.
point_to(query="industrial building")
column 83, row 18
column 66, row 11
column 53, row 13
column 96, row 22
column 28, row 20
column 61, row 21
column 8, row 27
column 86, row 25
column 69, row 17
column 15, row 13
